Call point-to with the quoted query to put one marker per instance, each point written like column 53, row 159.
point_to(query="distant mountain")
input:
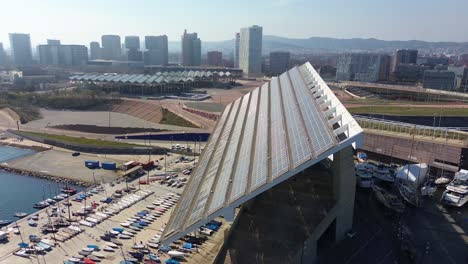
column 320, row 45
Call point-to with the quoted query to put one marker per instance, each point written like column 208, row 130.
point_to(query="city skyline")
column 85, row 21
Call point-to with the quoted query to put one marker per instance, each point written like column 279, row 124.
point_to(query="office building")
column 440, row 80
column 236, row 50
column 409, row 72
column 461, row 75
column 362, row 67
column 215, row 58
column 2, row 54
column 63, row 55
column 157, row 52
column 21, row 53
column 53, row 42
column 94, row 50
column 433, row 61
column 134, row 55
column 111, row 49
column 279, row 62
column 132, row 42
column 384, row 72
column 404, row 56
column 191, row 49
column 250, row 50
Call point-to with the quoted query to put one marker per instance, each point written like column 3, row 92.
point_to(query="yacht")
column 456, row 192
column 383, row 172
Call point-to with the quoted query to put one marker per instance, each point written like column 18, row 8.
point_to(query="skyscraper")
column 404, row 56
column 250, row 50
column 53, row 42
column 215, row 58
column 94, row 50
column 20, row 48
column 191, row 49
column 132, row 42
column 279, row 62
column 157, row 52
column 236, row 50
column 111, row 49
column 2, row 54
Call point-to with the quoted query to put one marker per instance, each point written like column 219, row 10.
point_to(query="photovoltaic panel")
column 224, row 178
column 278, row 142
column 241, row 172
column 260, row 140
column 260, row 162
column 211, row 172
column 177, row 220
column 298, row 140
column 318, row 131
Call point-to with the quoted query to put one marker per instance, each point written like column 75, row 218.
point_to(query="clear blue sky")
column 81, row 21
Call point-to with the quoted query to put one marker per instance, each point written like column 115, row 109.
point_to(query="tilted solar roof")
column 260, row 140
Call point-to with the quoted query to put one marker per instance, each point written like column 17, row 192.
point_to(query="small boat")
column 138, row 246
column 361, row 156
column 108, row 249
column 41, row 205
column 99, row 255
column 87, row 249
column 112, row 245
column 69, row 191
column 5, row 222
column 176, row 254
column 50, row 201
column 20, row 215
column 84, row 253
column 22, row 253
column 32, row 223
column 74, row 260
column 125, row 224
column 35, row 217
column 124, row 236
column 442, row 180
column 153, row 245
column 388, row 199
column 115, row 241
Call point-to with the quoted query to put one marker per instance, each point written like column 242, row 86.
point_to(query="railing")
column 445, row 133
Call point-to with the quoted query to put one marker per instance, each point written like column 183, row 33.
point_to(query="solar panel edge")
column 284, row 125
column 255, row 94
column 176, row 211
column 264, row 140
column 197, row 193
column 220, row 168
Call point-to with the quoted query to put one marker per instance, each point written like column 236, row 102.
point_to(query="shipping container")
column 109, row 165
column 92, row 164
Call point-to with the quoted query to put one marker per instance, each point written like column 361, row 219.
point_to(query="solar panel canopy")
column 261, row 139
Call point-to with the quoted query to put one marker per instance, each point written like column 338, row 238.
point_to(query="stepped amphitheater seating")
column 146, row 111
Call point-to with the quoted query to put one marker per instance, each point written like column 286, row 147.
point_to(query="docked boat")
column 383, row 173
column 176, row 254
column 20, row 214
column 409, row 179
column 5, row 222
column 69, row 191
column 364, row 178
column 41, row 205
column 456, row 192
column 22, row 253
column 361, row 156
column 388, row 199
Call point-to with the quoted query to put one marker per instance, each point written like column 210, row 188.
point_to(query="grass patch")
column 169, row 118
column 206, row 106
column 408, row 111
column 80, row 140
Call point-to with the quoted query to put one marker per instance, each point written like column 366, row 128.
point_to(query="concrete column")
column 344, row 184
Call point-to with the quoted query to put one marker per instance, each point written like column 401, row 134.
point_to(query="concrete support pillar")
column 344, row 184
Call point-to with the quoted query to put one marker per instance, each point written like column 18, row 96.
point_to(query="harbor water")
column 18, row 193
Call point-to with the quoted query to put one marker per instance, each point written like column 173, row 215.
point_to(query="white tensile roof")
column 260, row 140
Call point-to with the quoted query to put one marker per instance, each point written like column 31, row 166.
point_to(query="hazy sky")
column 82, row 21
